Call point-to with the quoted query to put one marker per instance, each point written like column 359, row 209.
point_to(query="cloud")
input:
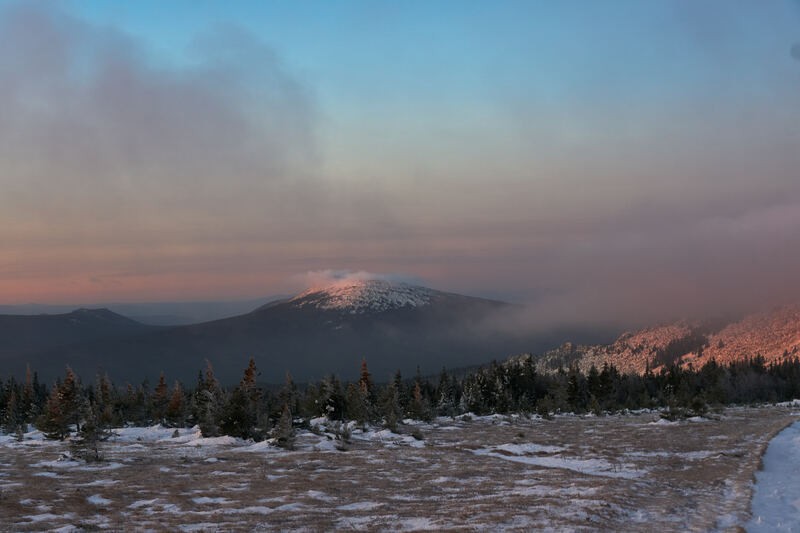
column 667, row 188
column 324, row 278
column 93, row 128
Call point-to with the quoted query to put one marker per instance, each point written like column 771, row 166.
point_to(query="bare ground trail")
column 621, row 473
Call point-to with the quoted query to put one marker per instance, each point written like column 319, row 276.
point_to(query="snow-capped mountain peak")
column 361, row 296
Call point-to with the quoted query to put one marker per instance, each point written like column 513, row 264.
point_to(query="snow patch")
column 96, row 499
column 591, row 467
column 142, row 503
column 254, row 509
column 214, row 441
column 202, row 526
column 290, row 507
column 62, row 462
column 529, row 449
column 793, row 403
column 776, row 499
column 359, row 506
column 101, row 483
column 663, row 422
column 203, row 500
column 319, row 495
column 44, row 516
column 417, row 524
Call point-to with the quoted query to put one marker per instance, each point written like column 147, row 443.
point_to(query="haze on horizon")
column 625, row 159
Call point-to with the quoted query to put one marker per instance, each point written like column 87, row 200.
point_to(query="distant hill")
column 774, row 335
column 325, row 330
column 21, row 335
column 154, row 313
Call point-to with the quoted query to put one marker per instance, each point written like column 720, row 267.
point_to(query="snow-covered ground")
column 495, row 473
column 360, row 296
column 776, row 500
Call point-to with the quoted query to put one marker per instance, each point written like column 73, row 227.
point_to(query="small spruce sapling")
column 284, row 431
column 390, row 407
column 86, row 444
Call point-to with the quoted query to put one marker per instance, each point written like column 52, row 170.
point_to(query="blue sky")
column 579, row 149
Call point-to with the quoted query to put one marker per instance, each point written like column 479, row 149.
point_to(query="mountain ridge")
column 23, row 334
column 320, row 331
column 773, row 335
column 329, row 329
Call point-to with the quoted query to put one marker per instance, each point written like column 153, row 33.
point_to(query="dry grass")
column 613, row 473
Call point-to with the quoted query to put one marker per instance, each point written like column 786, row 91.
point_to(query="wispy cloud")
column 323, row 278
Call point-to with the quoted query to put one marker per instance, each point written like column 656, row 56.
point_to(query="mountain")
column 328, row 330
column 774, row 335
column 373, row 296
column 185, row 313
column 154, row 313
column 21, row 335
column 324, row 330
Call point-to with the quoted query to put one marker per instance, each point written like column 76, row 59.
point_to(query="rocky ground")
column 633, row 472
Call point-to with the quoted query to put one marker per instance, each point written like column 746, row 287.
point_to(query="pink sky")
column 590, row 172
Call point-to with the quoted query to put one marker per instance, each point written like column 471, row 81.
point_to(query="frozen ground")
column 776, row 501
column 622, row 473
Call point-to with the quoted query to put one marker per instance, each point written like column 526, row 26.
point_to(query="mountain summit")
column 365, row 296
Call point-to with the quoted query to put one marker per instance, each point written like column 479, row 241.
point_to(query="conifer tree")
column 240, row 414
column 69, row 396
column 360, row 397
column 474, row 397
column 446, row 403
column 12, row 416
column 356, row 404
column 104, row 390
column 53, row 421
column 403, row 395
column 160, row 400
column 176, row 411
column 310, row 402
column 390, row 407
column 62, row 408
column 577, row 390
column 104, row 397
column 352, row 403
column 331, row 398
column 134, row 404
column 86, row 445
column 249, row 378
column 419, row 408
column 365, row 381
column 28, row 407
column 208, row 400
column 289, row 395
column 284, row 431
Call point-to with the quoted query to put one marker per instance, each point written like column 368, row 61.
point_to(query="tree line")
column 86, row 411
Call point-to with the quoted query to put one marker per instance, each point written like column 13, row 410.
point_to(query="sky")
column 618, row 159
